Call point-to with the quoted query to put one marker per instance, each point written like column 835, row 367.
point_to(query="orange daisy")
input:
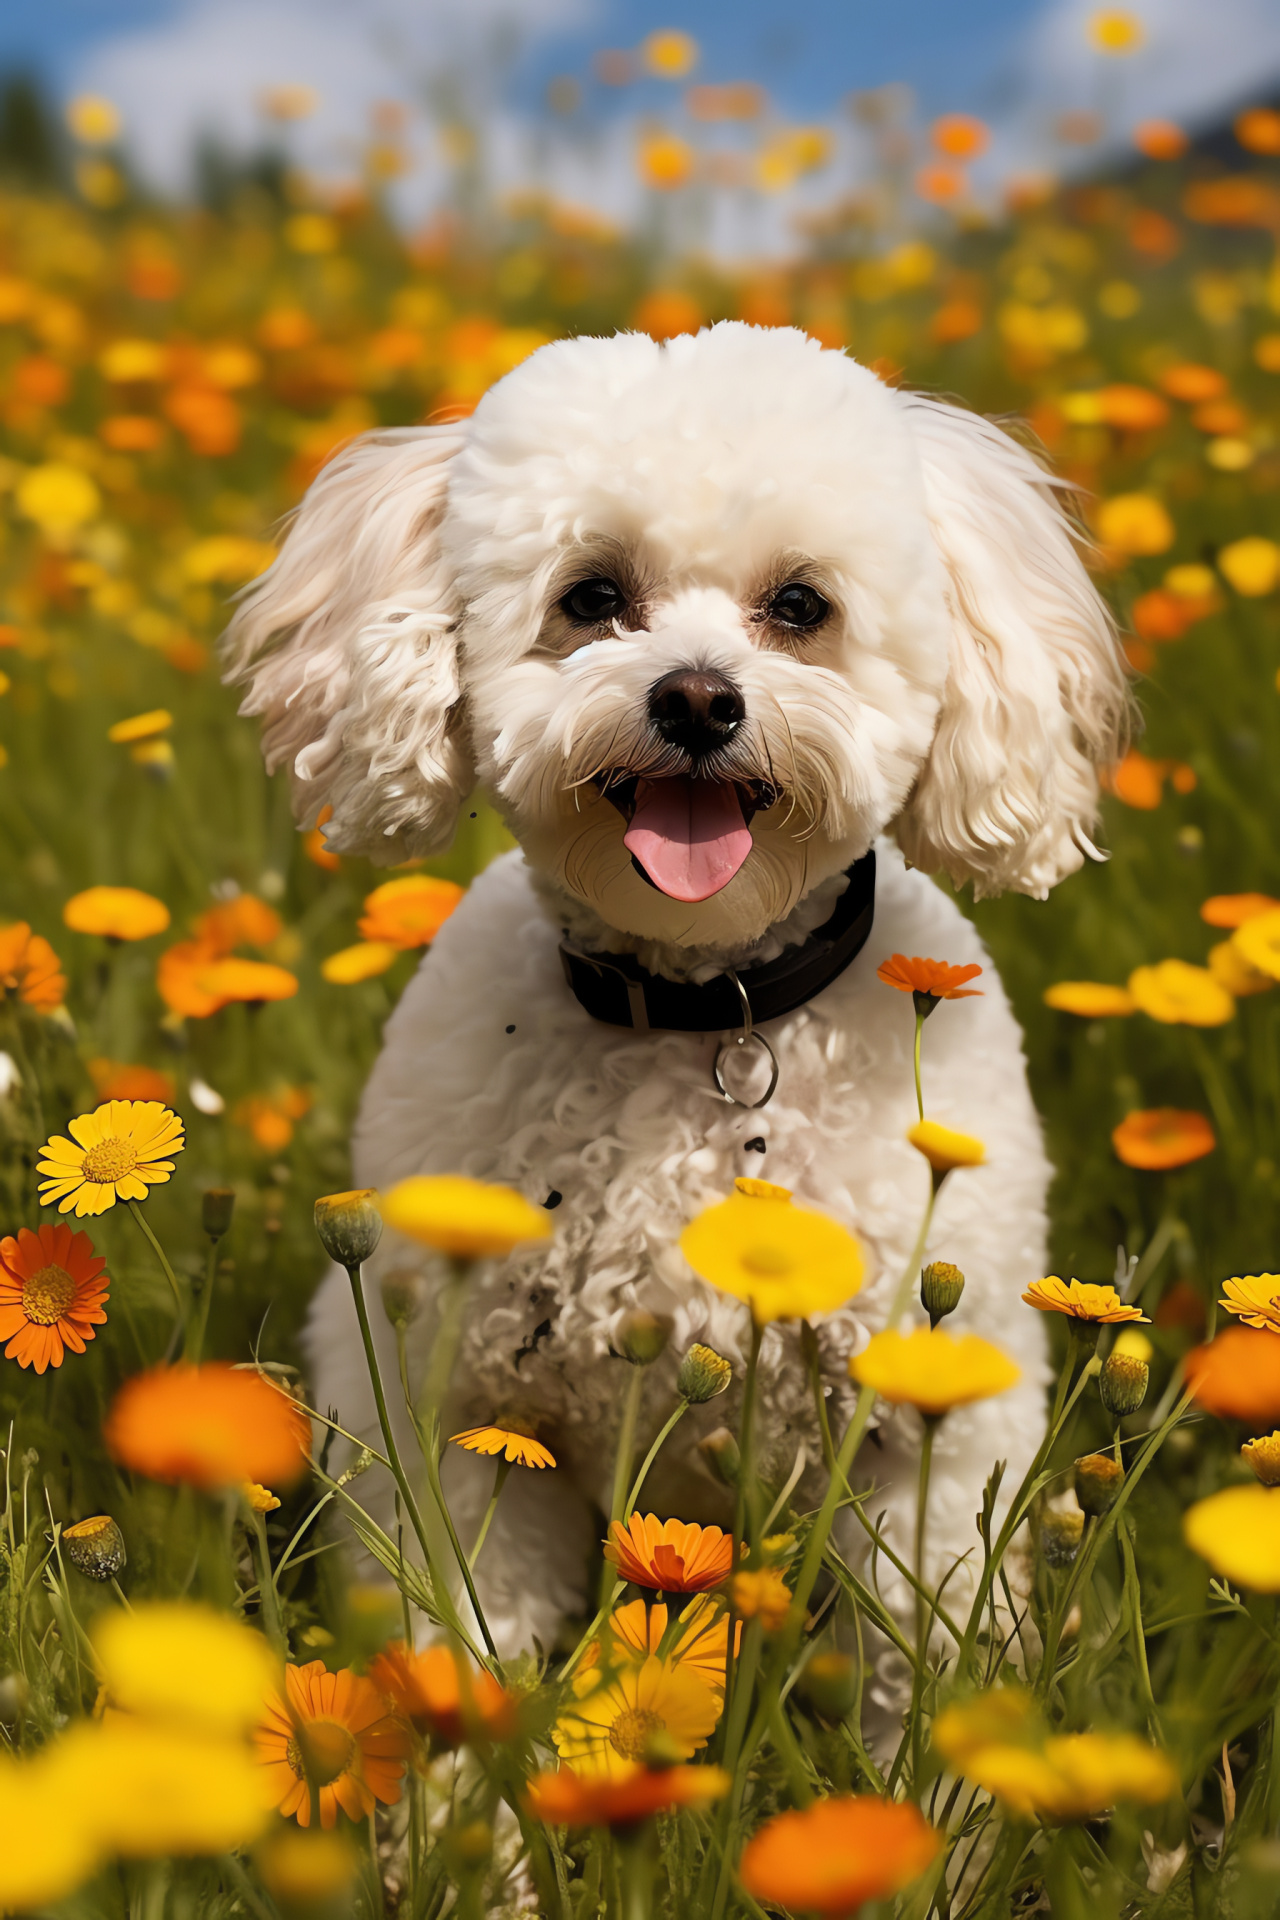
column 409, row 912
column 428, row 1689
column 1237, row 1375
column 564, row 1799
column 931, row 980
column 833, row 1856
column 356, row 1750
column 701, row 1645
column 117, row 913
column 674, row 1556
column 1158, row 1138
column 244, row 921
column 1080, row 1300
column 516, row 1448
column 30, row 968
column 117, row 1080
column 52, row 1292
column 1233, row 909
column 210, row 1426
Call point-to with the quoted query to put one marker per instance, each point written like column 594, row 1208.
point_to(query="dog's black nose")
column 696, row 709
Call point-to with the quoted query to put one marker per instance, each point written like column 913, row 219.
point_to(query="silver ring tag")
column 741, row 1040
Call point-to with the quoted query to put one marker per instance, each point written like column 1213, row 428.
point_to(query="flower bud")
column 642, row 1337
column 1264, row 1457
column 95, row 1547
column 309, row 1875
column 1122, row 1383
column 720, row 1450
column 467, row 1847
column 15, row 1692
column 1099, row 1478
column 257, row 1498
column 703, row 1374
column 1060, row 1536
column 349, row 1225
column 829, row 1684
column 941, row 1285
column 403, row 1291
column 217, row 1204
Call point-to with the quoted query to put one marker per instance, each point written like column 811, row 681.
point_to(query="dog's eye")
column 797, row 605
column 592, row 602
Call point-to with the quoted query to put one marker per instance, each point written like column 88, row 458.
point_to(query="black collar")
column 619, row 991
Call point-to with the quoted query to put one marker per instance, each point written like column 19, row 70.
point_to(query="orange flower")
column 197, row 982
column 244, row 921
column 675, row 1556
column 52, row 1292
column 1160, row 139
column 1238, row 1376
column 513, row 1446
column 253, row 981
column 314, row 845
column 30, row 968
column 1080, row 1300
column 1192, row 383
column 446, row 1701
column 115, row 1080
column 1233, row 909
column 118, row 913
column 837, row 1854
column 337, row 1725
column 1258, row 129
column 1139, row 782
column 270, row 1117
column 636, row 1630
column 564, row 1800
column 933, row 979
column 1090, row 999
column 1130, row 408
column 409, row 912
column 960, row 136
column 1157, row 1138
column 210, row 1426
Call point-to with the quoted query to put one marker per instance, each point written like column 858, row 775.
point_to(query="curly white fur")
column 958, row 697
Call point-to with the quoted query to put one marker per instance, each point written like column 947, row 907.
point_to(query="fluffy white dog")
column 710, row 621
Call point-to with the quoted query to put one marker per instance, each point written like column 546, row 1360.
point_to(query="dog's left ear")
column 1036, row 695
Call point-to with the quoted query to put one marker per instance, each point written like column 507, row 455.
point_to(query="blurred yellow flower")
column 1263, row 1458
column 1251, row 566
column 1133, row 1345
column 311, row 233
column 364, row 961
column 944, row 1148
column 49, row 1847
column 664, row 161
column 467, row 1218
column 1089, row 999
column 58, row 497
column 227, row 558
column 307, row 1872
column 143, row 726
column 290, row 101
column 158, row 1789
column 1002, row 1716
column 182, row 1662
column 1238, row 1532
column 1191, row 581
column 1257, row 940
column 932, row 1370
column 95, row 122
column 1074, row 1775
column 116, row 913
column 761, row 1595
column 133, row 362
column 1080, row 1300
column 669, row 53
column 1135, row 523
column 786, row 1262
column 115, row 1153
column 1115, row 30
column 1178, row 994
column 1255, row 1299
column 1231, row 970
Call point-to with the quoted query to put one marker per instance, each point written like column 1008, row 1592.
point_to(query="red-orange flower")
column 335, row 1726
column 674, row 1556
column 445, row 1701
column 116, row 1080
column 936, row 978
column 244, row 921
column 1157, row 1138
column 564, row 1799
column 30, row 968
column 833, row 1856
column 1238, row 1376
column 409, row 912
column 52, row 1292
column 211, row 1426
column 1233, row 909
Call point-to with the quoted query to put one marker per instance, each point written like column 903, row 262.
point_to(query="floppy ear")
column 1036, row 695
column 347, row 647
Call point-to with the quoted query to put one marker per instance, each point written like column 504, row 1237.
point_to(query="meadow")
column 171, row 378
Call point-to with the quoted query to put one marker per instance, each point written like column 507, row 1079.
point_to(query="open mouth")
column 687, row 836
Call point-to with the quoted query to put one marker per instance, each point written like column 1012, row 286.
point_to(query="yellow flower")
column 669, row 53
column 932, row 1370
column 1074, row 1775
column 1089, row 999
column 1231, row 970
column 701, row 1643
column 1191, row 581
column 46, row 1855
column 59, row 498
column 763, row 1596
column 183, row 1663
column 467, row 1218
column 308, row 1872
column 1080, row 1300
column 944, row 1148
column 1258, row 942
column 311, row 233
column 258, row 1499
column 658, row 1710
column 1134, row 523
column 1134, row 1345
column 118, row 913
column 364, row 961
column 786, row 1262
column 1002, row 1716
column 1255, row 1299
column 95, row 122
column 517, row 1448
column 157, row 1789
column 1263, row 1456
column 1251, row 566
column 142, row 726
column 1114, row 30
column 128, row 362
column 1178, row 994
column 115, row 1153
column 1238, row 1532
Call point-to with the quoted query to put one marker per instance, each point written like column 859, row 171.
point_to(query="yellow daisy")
column 1255, row 1299
column 656, row 1711
column 931, row 1370
column 517, row 1448
column 786, row 1262
column 114, row 1153
column 1080, row 1300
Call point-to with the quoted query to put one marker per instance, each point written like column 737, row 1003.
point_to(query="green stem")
column 819, row 1398
column 384, row 1418
column 158, row 1250
column 920, row 1018
column 924, row 1611
column 622, row 1464
column 745, row 1502
column 649, row 1459
column 499, row 1481
column 198, row 1324
column 267, row 1584
column 911, row 1272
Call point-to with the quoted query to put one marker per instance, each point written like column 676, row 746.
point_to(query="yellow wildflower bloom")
column 1135, row 523
column 701, row 1643
column 142, row 726
column 1090, row 999
column 1251, row 566
column 1255, row 1299
column 1178, row 994
column 1134, row 1345
column 786, row 1262
column 1115, row 30
column 1238, row 1532
column 114, row 1153
column 467, row 1218
column 1002, row 1716
column 762, row 1595
column 516, row 1448
column 1074, row 1775
column 1263, row 1456
column 118, row 913
column 46, row 1855
column 184, row 1663
column 658, row 1710
column 1258, row 942
column 1231, row 970
column 932, row 1370
column 364, row 961
column 1080, row 1300
column 258, row 1499
column 944, row 1148
column 58, row 497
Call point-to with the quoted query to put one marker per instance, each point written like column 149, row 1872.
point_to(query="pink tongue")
column 688, row 835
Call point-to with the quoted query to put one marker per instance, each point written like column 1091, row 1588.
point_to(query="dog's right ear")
column 347, row 647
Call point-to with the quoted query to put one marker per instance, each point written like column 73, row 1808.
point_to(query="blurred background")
column 235, row 233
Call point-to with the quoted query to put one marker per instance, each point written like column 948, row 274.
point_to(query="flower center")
column 109, row 1161
column 769, row 1262
column 330, row 1749
column 47, row 1295
column 631, row 1732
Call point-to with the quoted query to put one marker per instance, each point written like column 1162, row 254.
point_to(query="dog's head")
column 705, row 618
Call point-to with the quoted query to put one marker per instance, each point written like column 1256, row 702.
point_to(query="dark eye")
column 592, row 602
column 797, row 605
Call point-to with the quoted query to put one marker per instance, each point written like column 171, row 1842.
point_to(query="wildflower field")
column 202, row 1709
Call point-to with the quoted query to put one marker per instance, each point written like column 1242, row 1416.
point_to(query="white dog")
column 710, row 621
